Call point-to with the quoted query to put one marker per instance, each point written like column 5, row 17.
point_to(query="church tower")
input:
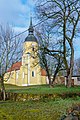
column 30, row 60
column 30, row 46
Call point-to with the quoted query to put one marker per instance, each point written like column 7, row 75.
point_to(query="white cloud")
column 19, row 29
column 15, row 12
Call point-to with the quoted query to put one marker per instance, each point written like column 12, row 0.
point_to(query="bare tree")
column 52, row 63
column 64, row 17
column 10, row 53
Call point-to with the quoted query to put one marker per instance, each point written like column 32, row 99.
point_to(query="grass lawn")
column 36, row 110
column 42, row 89
column 39, row 109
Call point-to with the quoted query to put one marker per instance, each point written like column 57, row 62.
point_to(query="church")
column 27, row 71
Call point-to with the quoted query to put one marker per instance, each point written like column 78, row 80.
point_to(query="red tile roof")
column 43, row 72
column 15, row 66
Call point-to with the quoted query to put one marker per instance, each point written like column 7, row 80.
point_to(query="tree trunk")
column 68, row 78
column 71, row 61
column 3, row 93
column 50, row 83
column 56, row 71
column 54, row 77
column 71, row 66
column 49, row 76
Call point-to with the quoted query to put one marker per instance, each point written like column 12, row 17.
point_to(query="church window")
column 78, row 78
column 32, row 73
column 32, row 47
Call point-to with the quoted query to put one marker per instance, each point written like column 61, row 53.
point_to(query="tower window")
column 32, row 47
column 32, row 73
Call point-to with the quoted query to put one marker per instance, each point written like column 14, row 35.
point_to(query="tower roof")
column 31, row 36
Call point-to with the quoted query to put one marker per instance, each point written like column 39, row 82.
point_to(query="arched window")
column 33, row 74
column 32, row 47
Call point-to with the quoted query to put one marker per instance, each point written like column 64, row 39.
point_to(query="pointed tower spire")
column 31, row 29
column 31, row 37
column 31, row 21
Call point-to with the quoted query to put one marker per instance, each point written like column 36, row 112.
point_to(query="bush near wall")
column 24, row 97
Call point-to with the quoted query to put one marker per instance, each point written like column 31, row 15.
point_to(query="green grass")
column 42, row 89
column 36, row 110
column 39, row 109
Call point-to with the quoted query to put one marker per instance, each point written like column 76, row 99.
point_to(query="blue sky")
column 17, row 14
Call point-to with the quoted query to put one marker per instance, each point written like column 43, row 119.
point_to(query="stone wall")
column 24, row 97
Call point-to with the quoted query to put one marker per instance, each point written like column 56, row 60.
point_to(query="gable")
column 15, row 66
